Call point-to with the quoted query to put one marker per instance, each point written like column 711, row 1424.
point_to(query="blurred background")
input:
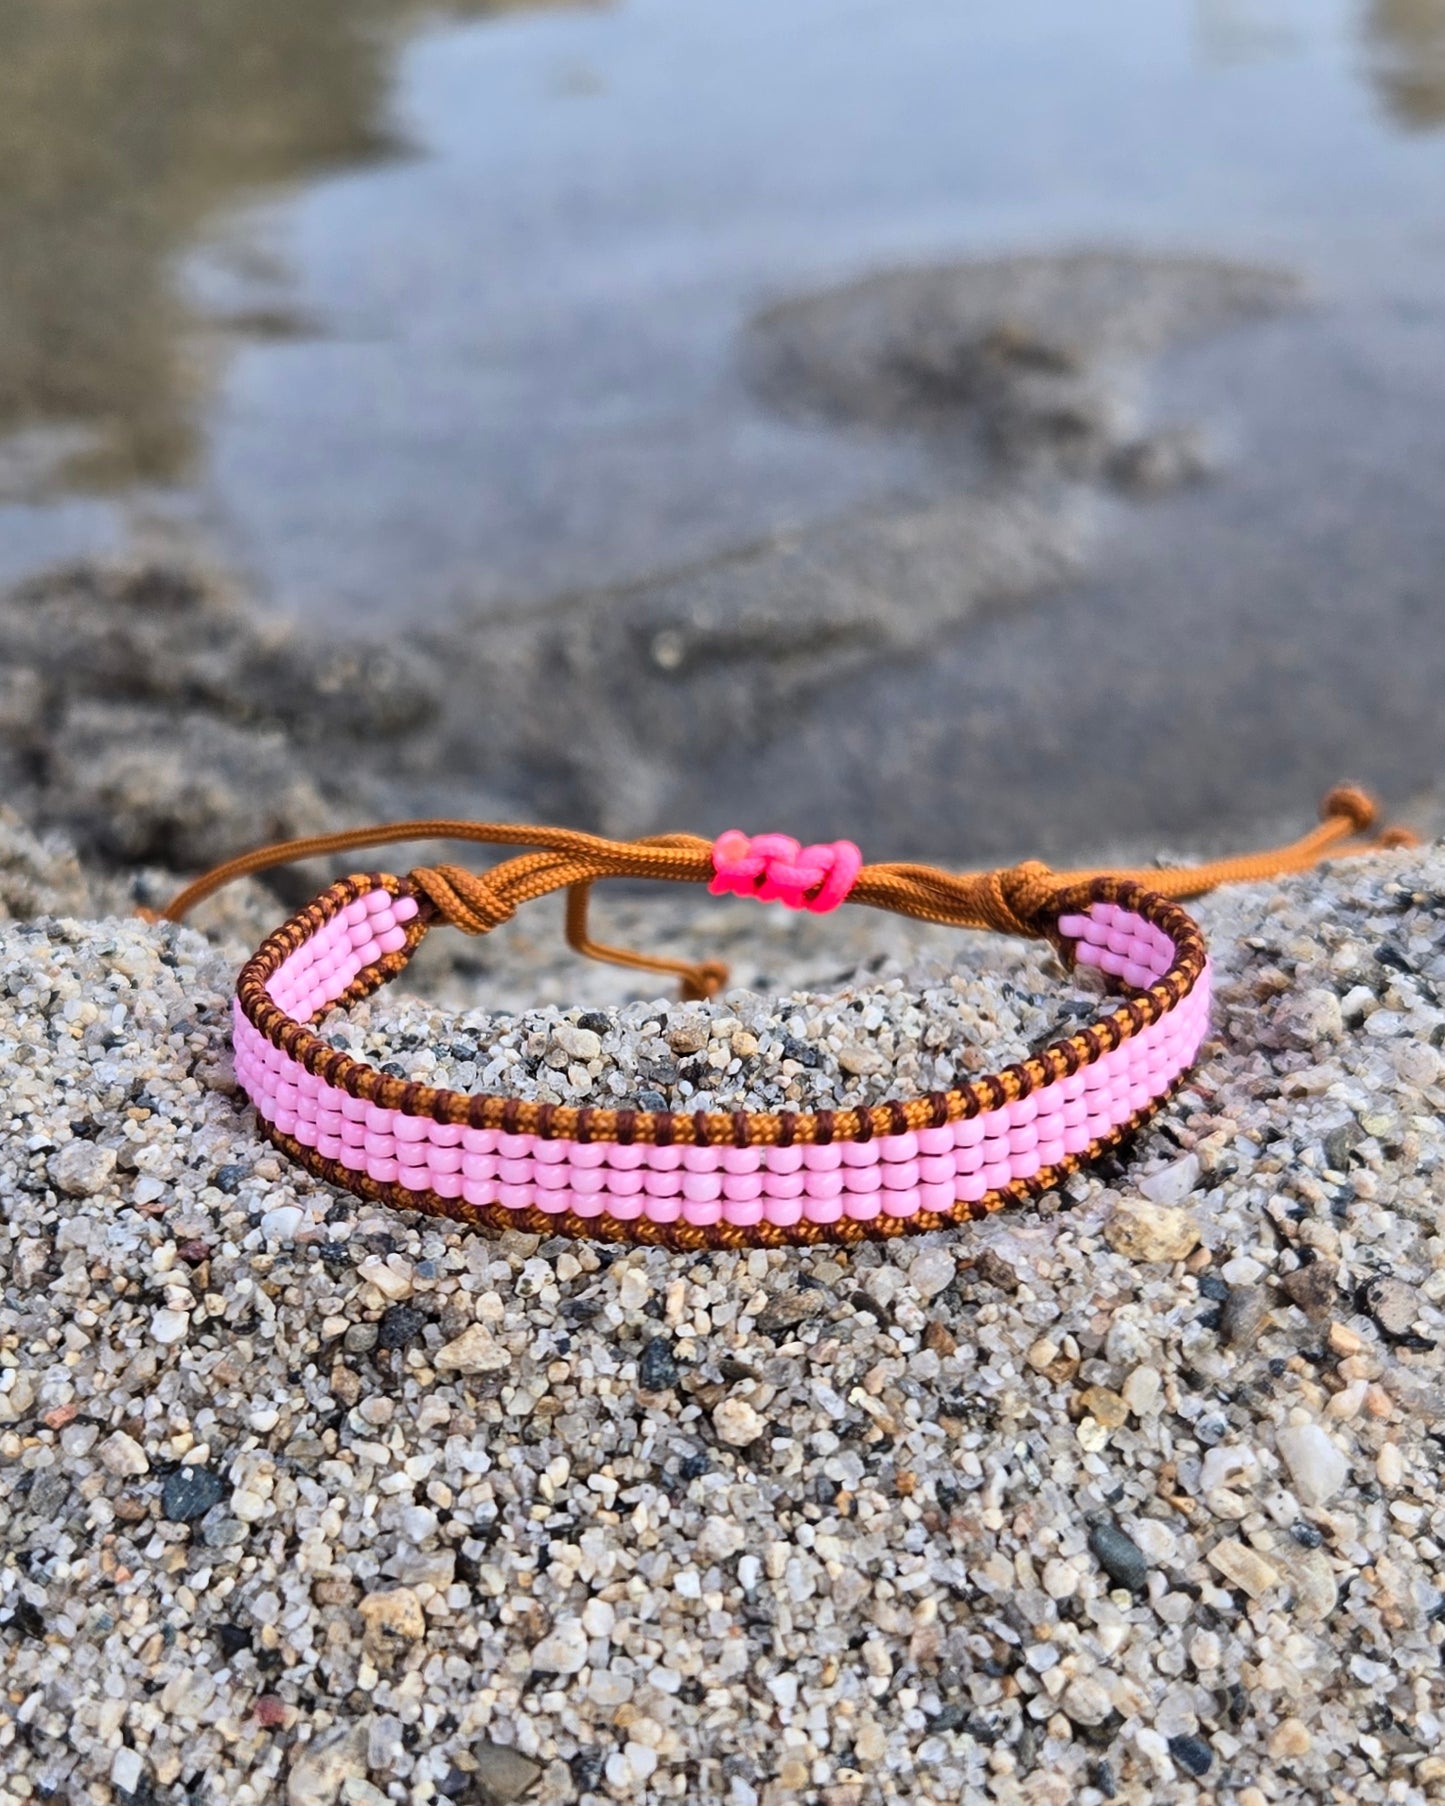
column 977, row 431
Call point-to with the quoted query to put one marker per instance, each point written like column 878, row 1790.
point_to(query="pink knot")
column 775, row 869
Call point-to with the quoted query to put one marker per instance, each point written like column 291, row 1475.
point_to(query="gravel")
column 306, row 1500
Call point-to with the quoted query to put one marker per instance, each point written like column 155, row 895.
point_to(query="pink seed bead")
column 899, row 1203
column 935, row 1197
column 743, row 1213
column 515, row 1147
column 587, row 1154
column 783, row 1160
column 860, row 1154
column 545, row 1153
column 625, row 1210
column 937, row 1169
column 590, row 1203
column 783, row 1185
column 700, row 1188
column 518, row 1197
column 823, row 1185
column 898, row 1148
column 741, row 1188
column 900, row 1175
column 701, row 1160
column 664, row 1210
column 823, row 1159
column 936, row 1141
column 862, row 1181
column 515, row 1172
column 552, row 1178
column 862, row 1207
column 623, row 1185
column 626, row 1159
column 662, row 1185
column 742, row 1160
column 822, row 1210
column 702, row 1214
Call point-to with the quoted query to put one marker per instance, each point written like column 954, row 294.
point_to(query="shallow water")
column 412, row 316
column 394, row 310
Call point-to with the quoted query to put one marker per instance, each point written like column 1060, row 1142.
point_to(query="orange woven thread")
column 1014, row 900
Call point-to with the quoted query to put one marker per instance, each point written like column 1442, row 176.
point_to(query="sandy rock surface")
column 1132, row 1497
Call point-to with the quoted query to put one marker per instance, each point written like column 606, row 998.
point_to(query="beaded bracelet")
column 723, row 1178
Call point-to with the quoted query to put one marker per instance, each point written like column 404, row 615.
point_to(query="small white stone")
column 123, row 1456
column 80, row 1169
column 1141, row 1390
column 1173, row 1183
column 576, row 1043
column 1390, row 1465
column 281, row 1224
column 126, row 1769
column 641, row 1760
column 634, row 1289
column 932, row 1272
column 475, row 1350
column 393, row 1282
column 1087, row 1701
column 1316, row 1466
column 1227, row 1465
column 737, row 1423
column 564, row 1649
column 598, row 1618
column 170, row 1326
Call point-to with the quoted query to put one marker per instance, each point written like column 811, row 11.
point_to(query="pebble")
column 1143, row 1231
column 81, row 1169
column 503, row 1774
column 127, row 1770
column 321, row 1768
column 584, row 1043
column 1119, row 1556
column 392, row 1617
column 1172, row 1184
column 123, row 1455
column 1244, row 1567
column 282, row 1223
column 1192, row 1754
column 1141, row 1391
column 170, row 1326
column 1393, row 1305
column 1086, row 1700
column 657, row 1368
column 1390, row 1465
column 1317, row 1467
column 189, row 1493
column 737, row 1423
column 932, row 1272
column 564, row 1649
column 475, row 1350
